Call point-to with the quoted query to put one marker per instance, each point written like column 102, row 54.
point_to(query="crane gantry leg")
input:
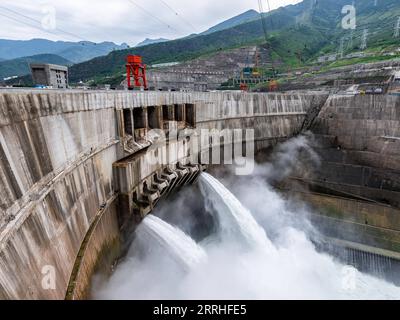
column 135, row 68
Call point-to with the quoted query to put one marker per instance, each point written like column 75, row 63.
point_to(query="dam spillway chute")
column 235, row 221
column 174, row 242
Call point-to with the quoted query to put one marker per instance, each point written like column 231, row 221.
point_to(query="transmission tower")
column 364, row 39
column 350, row 44
column 341, row 48
column 397, row 28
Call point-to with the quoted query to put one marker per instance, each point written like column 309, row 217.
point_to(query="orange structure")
column 273, row 85
column 244, row 87
column 136, row 69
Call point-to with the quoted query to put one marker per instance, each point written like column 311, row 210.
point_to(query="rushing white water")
column 178, row 246
column 287, row 268
column 235, row 222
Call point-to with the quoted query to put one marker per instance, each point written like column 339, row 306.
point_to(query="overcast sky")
column 119, row 21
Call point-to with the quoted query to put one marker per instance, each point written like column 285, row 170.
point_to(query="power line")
column 35, row 20
column 152, row 15
column 28, row 24
column 178, row 15
column 264, row 26
column 260, row 5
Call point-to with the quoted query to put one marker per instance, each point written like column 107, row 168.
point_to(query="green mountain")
column 375, row 22
column 296, row 35
column 248, row 16
column 20, row 66
column 72, row 51
column 148, row 41
column 182, row 49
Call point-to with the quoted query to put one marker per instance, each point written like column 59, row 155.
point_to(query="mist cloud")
column 291, row 269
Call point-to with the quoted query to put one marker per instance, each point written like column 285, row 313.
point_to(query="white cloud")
column 119, row 20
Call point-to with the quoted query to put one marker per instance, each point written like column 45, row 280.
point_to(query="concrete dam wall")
column 59, row 207
column 356, row 189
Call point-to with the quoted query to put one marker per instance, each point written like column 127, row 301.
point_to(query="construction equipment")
column 247, row 72
column 250, row 73
column 273, row 85
column 244, row 87
column 136, row 69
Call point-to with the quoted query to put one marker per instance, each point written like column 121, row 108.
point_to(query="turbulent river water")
column 239, row 259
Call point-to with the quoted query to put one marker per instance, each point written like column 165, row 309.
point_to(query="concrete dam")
column 79, row 169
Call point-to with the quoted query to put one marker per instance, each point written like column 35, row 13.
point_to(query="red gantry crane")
column 136, row 69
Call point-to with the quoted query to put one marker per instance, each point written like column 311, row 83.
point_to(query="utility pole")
column 364, row 39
